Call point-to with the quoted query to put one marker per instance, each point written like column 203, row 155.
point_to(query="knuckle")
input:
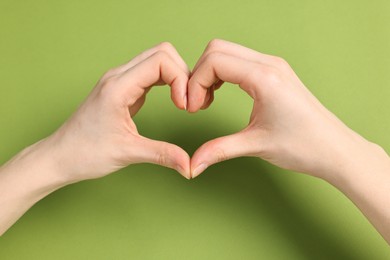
column 269, row 75
column 108, row 82
column 215, row 44
column 107, row 86
column 166, row 46
column 220, row 155
column 255, row 74
column 280, row 62
column 162, row 159
column 166, row 155
column 264, row 78
column 111, row 72
column 213, row 57
column 108, row 74
column 161, row 55
column 273, row 77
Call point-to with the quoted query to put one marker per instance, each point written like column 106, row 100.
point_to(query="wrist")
column 33, row 173
column 365, row 179
column 28, row 177
column 359, row 161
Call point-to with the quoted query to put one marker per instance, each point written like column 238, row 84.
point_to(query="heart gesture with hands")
column 288, row 127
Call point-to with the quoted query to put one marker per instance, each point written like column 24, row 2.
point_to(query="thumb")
column 164, row 154
column 223, row 148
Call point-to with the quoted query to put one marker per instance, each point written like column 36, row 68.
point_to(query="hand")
column 288, row 126
column 101, row 136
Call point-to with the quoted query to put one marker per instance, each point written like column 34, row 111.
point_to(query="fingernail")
column 198, row 170
column 185, row 102
column 182, row 172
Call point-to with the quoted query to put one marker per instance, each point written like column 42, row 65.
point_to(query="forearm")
column 364, row 178
column 25, row 179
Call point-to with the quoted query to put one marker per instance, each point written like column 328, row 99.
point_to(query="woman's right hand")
column 288, row 127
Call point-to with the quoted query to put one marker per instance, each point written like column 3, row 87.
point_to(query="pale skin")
column 288, row 127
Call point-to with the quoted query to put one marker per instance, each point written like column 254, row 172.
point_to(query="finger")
column 217, row 85
column 164, row 46
column 162, row 153
column 209, row 98
column 220, row 66
column 237, row 50
column 133, row 83
column 221, row 149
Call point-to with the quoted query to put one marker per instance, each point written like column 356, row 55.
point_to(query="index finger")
column 234, row 49
column 163, row 46
column 220, row 66
column 132, row 84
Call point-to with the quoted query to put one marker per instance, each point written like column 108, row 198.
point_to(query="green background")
column 53, row 52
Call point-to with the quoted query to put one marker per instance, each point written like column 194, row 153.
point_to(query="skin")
column 288, row 127
column 100, row 138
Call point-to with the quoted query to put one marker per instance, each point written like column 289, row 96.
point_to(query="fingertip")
column 182, row 164
column 210, row 99
column 186, row 173
column 179, row 93
column 192, row 110
column 195, row 104
column 185, row 101
column 196, row 95
column 199, row 161
column 198, row 170
column 180, row 102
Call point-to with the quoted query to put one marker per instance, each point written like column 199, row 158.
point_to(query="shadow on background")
column 250, row 179
column 245, row 183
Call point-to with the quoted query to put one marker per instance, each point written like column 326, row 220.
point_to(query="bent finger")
column 158, row 67
column 237, row 50
column 163, row 46
column 219, row 66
